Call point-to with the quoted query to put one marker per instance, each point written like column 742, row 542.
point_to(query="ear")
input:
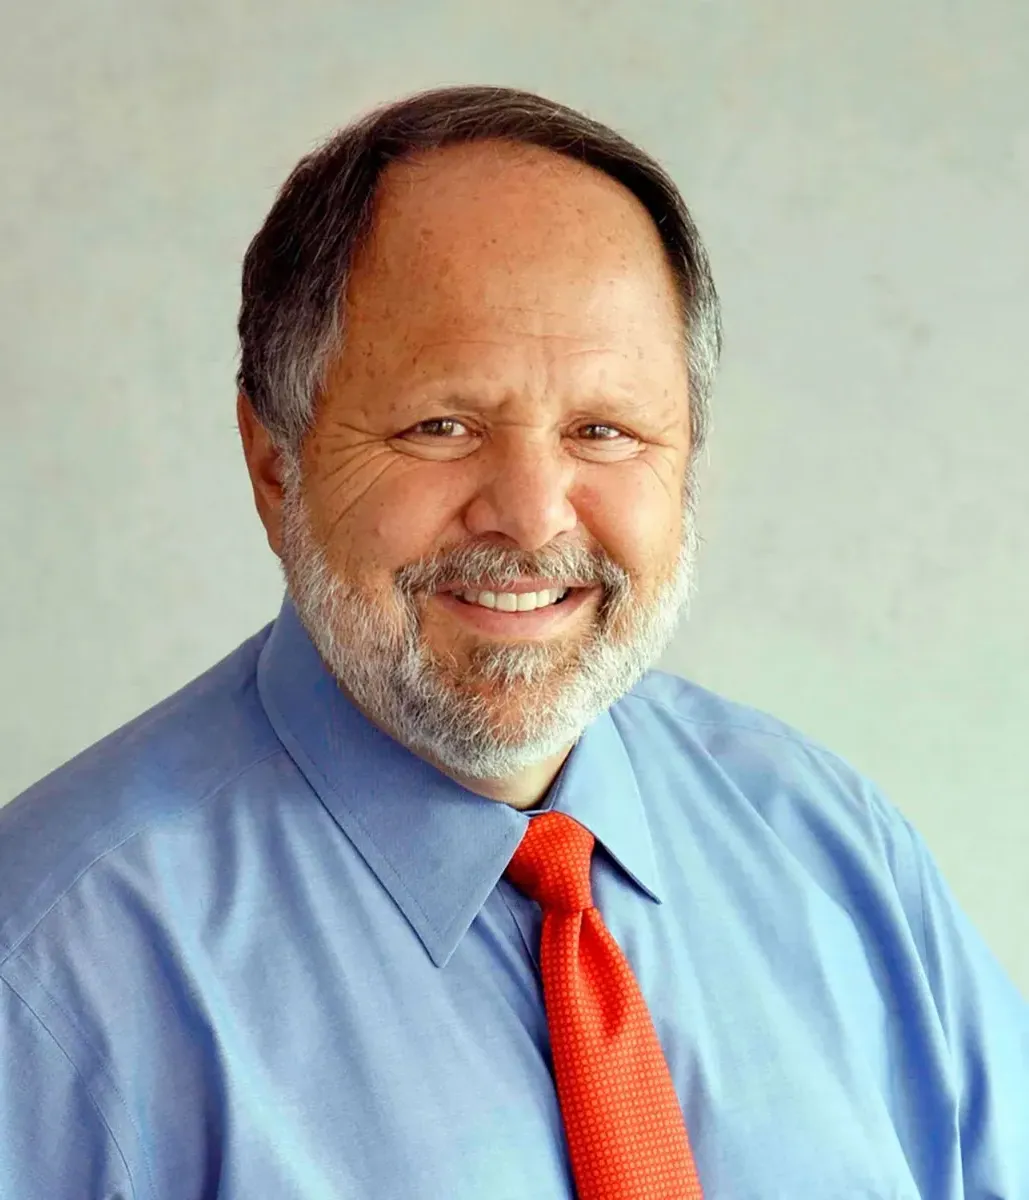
column 264, row 462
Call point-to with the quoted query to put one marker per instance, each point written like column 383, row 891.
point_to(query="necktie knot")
column 552, row 863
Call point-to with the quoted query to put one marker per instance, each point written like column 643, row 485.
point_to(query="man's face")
column 507, row 426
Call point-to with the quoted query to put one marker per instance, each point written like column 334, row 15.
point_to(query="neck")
column 523, row 790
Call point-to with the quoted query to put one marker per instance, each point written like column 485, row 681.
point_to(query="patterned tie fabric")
column 626, row 1135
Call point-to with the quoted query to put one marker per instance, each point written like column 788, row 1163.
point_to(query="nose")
column 524, row 494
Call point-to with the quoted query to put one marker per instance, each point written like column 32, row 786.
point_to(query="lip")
column 517, row 589
column 517, row 624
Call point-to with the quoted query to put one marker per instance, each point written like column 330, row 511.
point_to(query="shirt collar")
column 437, row 848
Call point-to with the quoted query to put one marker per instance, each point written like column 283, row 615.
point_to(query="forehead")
column 514, row 267
column 500, row 224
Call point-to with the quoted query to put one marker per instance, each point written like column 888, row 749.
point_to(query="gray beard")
column 462, row 717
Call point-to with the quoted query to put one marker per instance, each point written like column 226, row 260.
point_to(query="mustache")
column 496, row 567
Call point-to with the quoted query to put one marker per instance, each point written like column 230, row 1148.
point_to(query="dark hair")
column 296, row 269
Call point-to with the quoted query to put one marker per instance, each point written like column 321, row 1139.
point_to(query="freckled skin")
column 524, row 301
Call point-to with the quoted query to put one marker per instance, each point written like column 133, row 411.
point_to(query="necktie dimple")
column 626, row 1135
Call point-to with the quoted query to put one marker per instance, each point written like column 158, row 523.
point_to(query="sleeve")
column 54, row 1142
column 986, row 1023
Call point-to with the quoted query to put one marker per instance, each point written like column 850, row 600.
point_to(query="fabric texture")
column 621, row 1115
column 252, row 947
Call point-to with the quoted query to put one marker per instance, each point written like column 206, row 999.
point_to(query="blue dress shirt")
column 253, row 949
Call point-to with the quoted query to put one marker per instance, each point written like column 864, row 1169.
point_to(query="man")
column 429, row 889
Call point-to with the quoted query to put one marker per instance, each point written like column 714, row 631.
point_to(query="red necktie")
column 625, row 1129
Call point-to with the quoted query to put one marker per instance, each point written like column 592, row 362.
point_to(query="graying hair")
column 296, row 269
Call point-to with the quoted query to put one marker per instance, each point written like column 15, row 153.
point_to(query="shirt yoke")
column 772, row 763
column 153, row 769
column 183, row 751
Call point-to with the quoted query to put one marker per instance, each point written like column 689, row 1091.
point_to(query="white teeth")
column 515, row 601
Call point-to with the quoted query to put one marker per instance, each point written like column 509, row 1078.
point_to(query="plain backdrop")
column 860, row 171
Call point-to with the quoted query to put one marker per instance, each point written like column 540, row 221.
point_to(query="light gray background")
column 860, row 169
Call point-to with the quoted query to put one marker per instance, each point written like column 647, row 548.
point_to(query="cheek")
column 636, row 519
column 403, row 520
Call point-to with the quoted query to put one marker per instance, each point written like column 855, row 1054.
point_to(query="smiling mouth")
column 514, row 601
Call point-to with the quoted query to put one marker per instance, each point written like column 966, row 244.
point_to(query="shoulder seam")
column 848, row 776
column 786, row 735
column 38, row 1020
column 916, row 870
column 203, row 799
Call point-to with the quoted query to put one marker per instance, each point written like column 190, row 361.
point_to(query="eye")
column 438, row 427
column 441, row 439
column 600, row 442
column 597, row 432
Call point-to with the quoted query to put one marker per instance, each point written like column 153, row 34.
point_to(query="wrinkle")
column 357, row 490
